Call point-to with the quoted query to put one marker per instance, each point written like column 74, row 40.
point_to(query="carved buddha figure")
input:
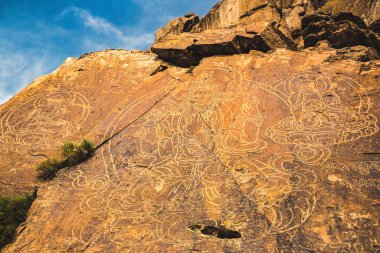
column 319, row 118
column 46, row 118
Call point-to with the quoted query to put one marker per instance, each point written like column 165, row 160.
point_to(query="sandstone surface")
column 252, row 129
column 188, row 49
column 65, row 105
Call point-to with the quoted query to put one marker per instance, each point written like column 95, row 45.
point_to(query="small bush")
column 48, row 169
column 13, row 211
column 68, row 149
column 87, row 146
column 72, row 154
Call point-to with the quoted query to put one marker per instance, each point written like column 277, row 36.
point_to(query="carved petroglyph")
column 203, row 145
column 49, row 118
column 359, row 177
column 361, row 167
column 283, row 190
column 282, row 55
column 320, row 117
column 348, row 248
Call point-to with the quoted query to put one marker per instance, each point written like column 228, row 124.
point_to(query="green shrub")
column 72, row 154
column 48, row 169
column 13, row 211
column 68, row 149
column 87, row 146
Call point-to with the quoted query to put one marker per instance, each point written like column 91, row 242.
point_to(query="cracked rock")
column 188, row 49
column 341, row 30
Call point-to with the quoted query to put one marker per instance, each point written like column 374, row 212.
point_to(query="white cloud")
column 20, row 67
column 27, row 54
column 108, row 33
column 97, row 23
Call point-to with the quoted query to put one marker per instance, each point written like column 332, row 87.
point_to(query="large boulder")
column 188, row 49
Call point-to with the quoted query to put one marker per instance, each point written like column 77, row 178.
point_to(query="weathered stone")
column 358, row 53
column 258, row 147
column 275, row 37
column 245, row 153
column 188, row 49
column 293, row 19
column 341, row 30
column 368, row 10
column 177, row 26
column 230, row 13
column 64, row 105
column 375, row 27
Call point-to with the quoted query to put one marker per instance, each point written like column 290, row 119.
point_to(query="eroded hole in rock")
column 219, row 232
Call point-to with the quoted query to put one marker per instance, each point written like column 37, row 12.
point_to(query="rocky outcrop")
column 237, row 132
column 188, row 49
column 357, row 53
column 369, row 11
column 341, row 30
column 227, row 29
column 177, row 26
column 232, row 13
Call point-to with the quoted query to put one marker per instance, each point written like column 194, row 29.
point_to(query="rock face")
column 269, row 142
column 238, row 26
column 178, row 26
column 229, row 13
column 65, row 105
column 341, row 30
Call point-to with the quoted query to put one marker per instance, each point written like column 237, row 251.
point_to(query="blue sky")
column 36, row 36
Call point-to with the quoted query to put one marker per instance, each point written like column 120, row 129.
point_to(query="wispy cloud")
column 97, row 23
column 29, row 49
column 20, row 67
column 108, row 33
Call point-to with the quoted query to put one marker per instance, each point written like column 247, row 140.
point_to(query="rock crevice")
column 218, row 232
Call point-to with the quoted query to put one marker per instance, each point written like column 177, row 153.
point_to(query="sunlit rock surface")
column 267, row 149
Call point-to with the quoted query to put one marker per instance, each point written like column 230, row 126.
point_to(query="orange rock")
column 259, row 146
